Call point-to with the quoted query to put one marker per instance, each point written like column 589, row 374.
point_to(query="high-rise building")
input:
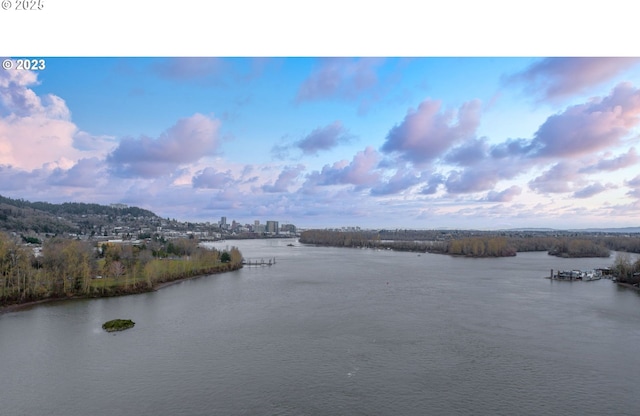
column 272, row 227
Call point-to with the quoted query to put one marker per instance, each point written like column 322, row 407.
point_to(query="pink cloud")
column 554, row 78
column 426, row 133
column 34, row 130
column 360, row 171
column 590, row 127
column 187, row 141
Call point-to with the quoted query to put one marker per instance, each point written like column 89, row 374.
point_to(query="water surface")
column 329, row 331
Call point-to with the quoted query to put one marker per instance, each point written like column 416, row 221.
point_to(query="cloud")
column 470, row 153
column 504, row 196
column 472, row 180
column 187, row 141
column 433, row 183
column 592, row 190
column 323, row 138
column 342, row 78
column 555, row 78
column 589, row 127
column 401, row 180
column 359, row 172
column 189, row 68
column 558, row 179
column 86, row 173
column 628, row 159
column 426, row 133
column 13, row 179
column 286, row 179
column 635, row 184
column 87, row 142
column 511, row 148
column 34, row 130
column 21, row 101
column 209, row 178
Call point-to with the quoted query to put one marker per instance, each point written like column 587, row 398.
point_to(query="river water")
column 329, row 331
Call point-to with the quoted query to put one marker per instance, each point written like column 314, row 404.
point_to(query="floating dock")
column 581, row 275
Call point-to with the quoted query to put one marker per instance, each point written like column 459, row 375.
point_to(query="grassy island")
column 118, row 325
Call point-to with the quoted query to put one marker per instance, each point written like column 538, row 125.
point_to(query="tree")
column 68, row 265
column 225, row 257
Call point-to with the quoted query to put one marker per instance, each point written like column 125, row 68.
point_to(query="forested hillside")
column 22, row 216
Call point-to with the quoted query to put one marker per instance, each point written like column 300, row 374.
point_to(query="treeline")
column 467, row 246
column 579, row 248
column 481, row 247
column 74, row 268
column 486, row 244
column 341, row 239
column 625, row 270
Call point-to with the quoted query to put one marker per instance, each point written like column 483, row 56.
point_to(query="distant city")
column 222, row 229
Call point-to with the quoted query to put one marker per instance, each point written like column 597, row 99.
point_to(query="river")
column 335, row 331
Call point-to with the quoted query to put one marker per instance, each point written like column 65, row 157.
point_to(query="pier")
column 259, row 263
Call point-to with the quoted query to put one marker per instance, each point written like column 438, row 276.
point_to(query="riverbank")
column 117, row 291
column 628, row 286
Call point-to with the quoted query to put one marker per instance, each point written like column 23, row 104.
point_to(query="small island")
column 118, row 325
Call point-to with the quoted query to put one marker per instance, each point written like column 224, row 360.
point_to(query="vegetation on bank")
column 626, row 271
column 486, row 244
column 74, row 268
column 579, row 248
column 118, row 325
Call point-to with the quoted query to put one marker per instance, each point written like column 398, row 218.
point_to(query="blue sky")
column 395, row 142
column 275, row 115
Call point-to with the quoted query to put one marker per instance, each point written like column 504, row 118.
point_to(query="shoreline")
column 628, row 286
column 17, row 307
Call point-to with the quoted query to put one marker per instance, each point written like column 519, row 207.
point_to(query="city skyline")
column 423, row 143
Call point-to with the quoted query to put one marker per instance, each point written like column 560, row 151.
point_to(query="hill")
column 18, row 215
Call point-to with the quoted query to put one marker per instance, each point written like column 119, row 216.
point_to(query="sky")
column 421, row 141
